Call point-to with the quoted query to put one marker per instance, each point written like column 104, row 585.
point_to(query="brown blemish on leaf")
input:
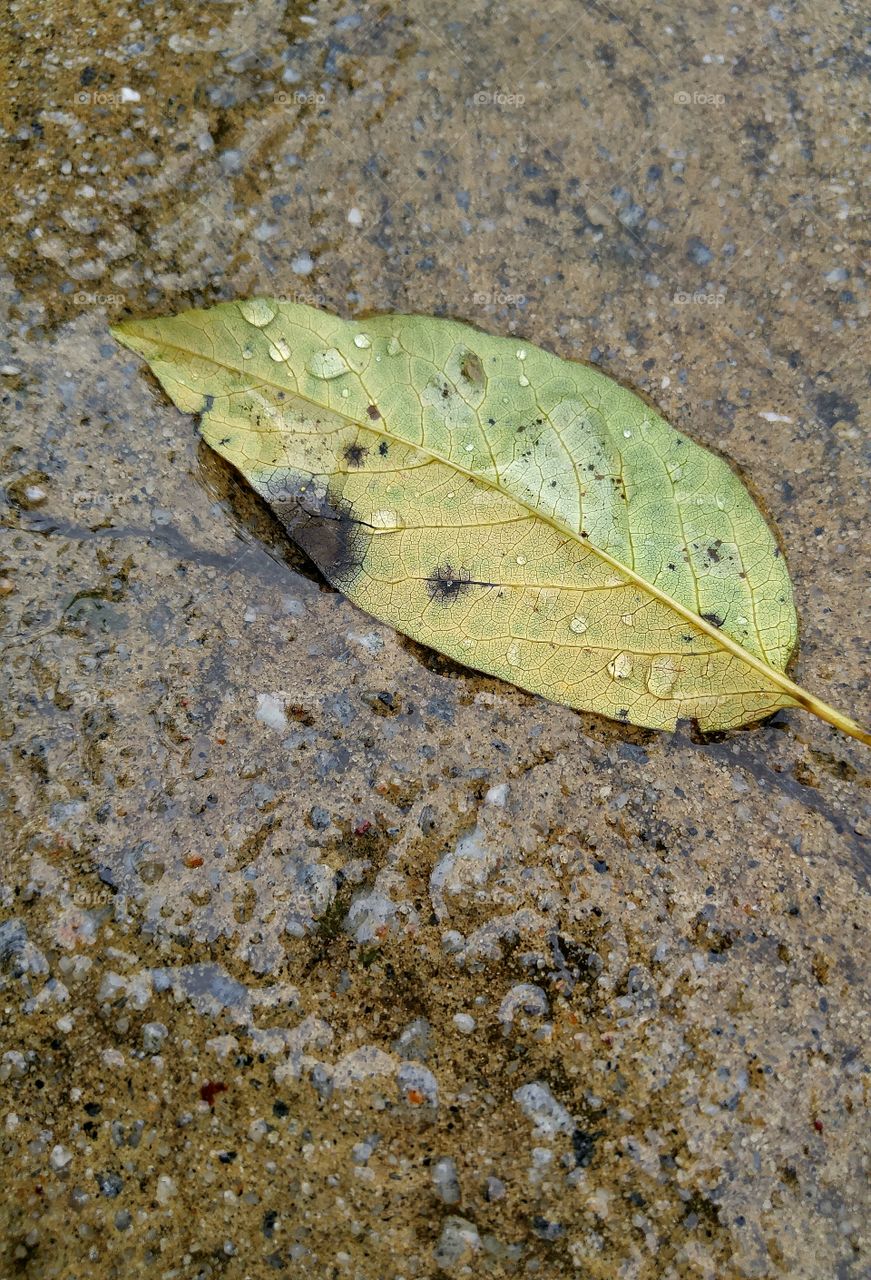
column 328, row 531
column 472, row 369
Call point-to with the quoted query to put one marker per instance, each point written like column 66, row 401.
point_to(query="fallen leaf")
column 525, row 515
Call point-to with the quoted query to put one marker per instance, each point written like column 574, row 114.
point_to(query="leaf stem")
column 827, row 713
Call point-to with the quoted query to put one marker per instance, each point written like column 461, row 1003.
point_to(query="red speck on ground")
column 210, row 1089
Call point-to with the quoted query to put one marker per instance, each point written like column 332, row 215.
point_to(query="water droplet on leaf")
column 279, row 350
column 385, row 520
column 578, row 625
column 257, row 311
column 360, row 340
column 661, row 677
column 327, row 364
column 620, row 666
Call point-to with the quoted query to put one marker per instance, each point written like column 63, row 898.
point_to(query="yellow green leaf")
column 523, row 514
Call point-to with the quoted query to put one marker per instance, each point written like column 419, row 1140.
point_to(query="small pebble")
column 153, row 1036
column 302, row 265
column 110, row 1184
column 446, row 1180
column 166, row 1189
column 60, row 1158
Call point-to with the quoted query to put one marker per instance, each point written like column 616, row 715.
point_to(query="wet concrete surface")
column 322, row 956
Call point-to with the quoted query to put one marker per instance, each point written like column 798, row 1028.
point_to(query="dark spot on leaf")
column 208, row 401
column 354, row 454
column 446, row 585
column 373, row 411
column 714, row 619
column 382, row 448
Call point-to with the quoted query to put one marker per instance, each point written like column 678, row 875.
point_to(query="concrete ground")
column 321, row 955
